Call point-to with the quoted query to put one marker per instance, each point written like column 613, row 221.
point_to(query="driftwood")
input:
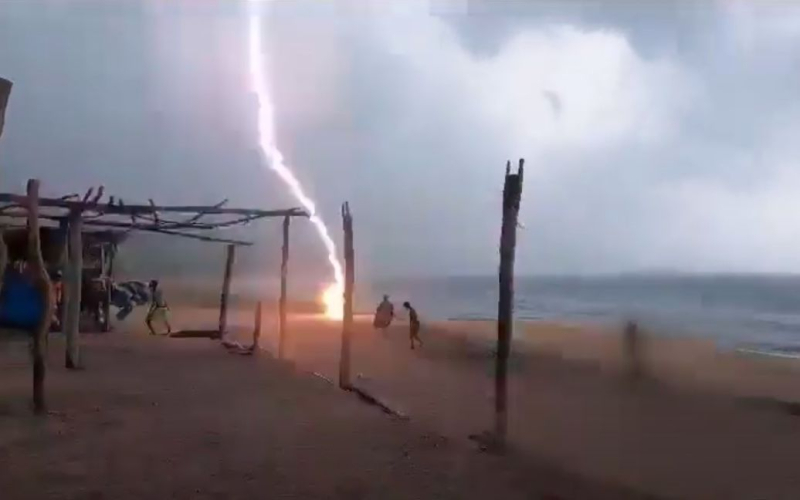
column 373, row 400
column 43, row 285
column 282, row 302
column 512, row 194
column 349, row 278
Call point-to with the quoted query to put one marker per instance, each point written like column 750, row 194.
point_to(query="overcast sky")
column 658, row 136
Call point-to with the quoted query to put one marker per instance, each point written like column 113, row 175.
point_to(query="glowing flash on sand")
column 332, row 297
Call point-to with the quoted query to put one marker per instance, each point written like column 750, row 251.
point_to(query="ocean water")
column 760, row 313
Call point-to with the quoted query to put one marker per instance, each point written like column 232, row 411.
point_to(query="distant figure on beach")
column 158, row 308
column 413, row 325
column 384, row 314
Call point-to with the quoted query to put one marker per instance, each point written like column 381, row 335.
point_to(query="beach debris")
column 323, row 377
column 234, row 347
column 489, row 442
column 368, row 398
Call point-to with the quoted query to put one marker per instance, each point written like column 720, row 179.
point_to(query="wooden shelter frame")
column 199, row 222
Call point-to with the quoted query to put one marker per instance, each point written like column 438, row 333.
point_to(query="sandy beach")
column 155, row 417
column 705, row 424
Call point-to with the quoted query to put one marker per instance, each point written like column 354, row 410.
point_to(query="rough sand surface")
column 704, row 427
column 158, row 418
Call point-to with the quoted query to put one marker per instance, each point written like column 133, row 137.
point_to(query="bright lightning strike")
column 332, row 297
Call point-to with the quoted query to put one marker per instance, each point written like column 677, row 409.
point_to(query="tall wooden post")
column 5, row 92
column 282, row 303
column 226, row 289
column 108, row 263
column 257, row 327
column 349, row 279
column 44, row 287
column 512, row 193
column 72, row 289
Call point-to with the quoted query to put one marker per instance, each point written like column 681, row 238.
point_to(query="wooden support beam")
column 226, row 289
column 110, row 254
column 349, row 279
column 3, row 257
column 155, row 229
column 106, row 304
column 512, row 194
column 5, row 92
column 44, row 287
column 124, row 209
column 72, row 290
column 282, row 303
column 257, row 327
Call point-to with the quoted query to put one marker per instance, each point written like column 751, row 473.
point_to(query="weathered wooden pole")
column 282, row 302
column 512, row 193
column 44, row 287
column 5, row 92
column 109, row 284
column 257, row 326
column 104, row 282
column 347, row 312
column 226, row 289
column 631, row 349
column 72, row 289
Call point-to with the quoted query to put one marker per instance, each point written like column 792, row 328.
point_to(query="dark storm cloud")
column 658, row 135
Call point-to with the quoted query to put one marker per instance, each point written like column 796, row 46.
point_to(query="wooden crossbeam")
column 125, row 209
column 141, row 227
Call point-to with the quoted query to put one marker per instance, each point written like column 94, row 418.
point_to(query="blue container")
column 20, row 303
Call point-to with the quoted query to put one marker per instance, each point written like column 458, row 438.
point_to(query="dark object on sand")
column 194, row 334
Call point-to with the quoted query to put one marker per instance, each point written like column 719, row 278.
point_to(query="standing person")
column 413, row 324
column 384, row 314
column 158, row 308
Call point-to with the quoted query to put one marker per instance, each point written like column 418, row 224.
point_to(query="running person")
column 158, row 308
column 384, row 314
column 413, row 325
